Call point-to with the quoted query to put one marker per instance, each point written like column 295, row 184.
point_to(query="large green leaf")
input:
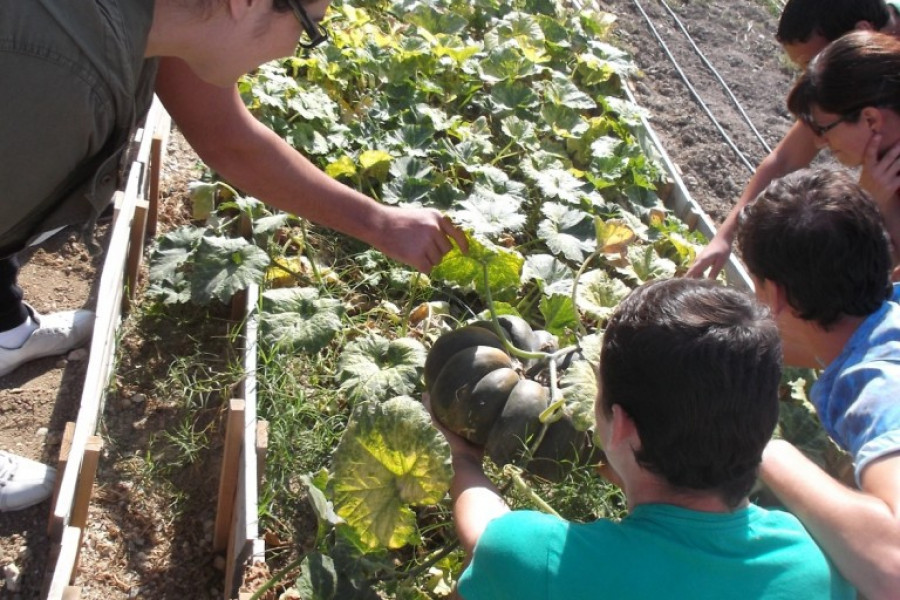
column 503, row 266
column 298, row 319
column 646, row 265
column 552, row 275
column 598, row 294
column 508, row 63
column 561, row 184
column 224, row 266
column 490, row 214
column 579, row 383
column 376, row 368
column 510, row 96
column 174, row 250
column 560, row 316
column 390, row 457
column 561, row 90
column 321, row 578
column 568, row 232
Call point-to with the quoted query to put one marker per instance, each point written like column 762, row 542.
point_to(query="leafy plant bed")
column 360, row 326
column 514, row 122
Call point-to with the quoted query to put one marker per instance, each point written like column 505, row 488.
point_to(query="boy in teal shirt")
column 687, row 401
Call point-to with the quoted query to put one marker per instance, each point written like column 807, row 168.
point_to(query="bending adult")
column 77, row 77
column 849, row 97
column 804, row 29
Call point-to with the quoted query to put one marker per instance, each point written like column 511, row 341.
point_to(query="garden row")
column 512, row 118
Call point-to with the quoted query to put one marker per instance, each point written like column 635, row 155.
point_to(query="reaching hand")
column 713, row 257
column 880, row 176
column 419, row 237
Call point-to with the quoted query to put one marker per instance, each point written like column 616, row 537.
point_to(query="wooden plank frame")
column 65, row 566
column 81, row 450
column 244, row 544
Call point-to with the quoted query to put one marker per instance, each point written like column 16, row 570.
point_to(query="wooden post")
column 64, row 448
column 238, row 306
column 85, row 489
column 234, row 437
column 86, row 481
column 157, row 156
column 262, row 447
column 135, row 251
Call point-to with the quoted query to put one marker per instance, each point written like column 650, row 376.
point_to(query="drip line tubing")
column 693, row 90
column 715, row 73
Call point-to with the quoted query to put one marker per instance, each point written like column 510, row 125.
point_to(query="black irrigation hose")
column 693, row 90
column 715, row 73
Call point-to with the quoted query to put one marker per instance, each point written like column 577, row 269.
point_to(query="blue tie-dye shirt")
column 858, row 395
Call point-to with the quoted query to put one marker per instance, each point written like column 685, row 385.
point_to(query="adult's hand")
column 419, row 237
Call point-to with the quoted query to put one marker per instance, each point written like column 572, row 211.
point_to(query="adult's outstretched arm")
column 253, row 158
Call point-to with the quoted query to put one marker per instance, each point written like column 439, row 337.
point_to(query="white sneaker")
column 23, row 482
column 57, row 333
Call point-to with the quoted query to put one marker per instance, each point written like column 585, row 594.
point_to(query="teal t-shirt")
column 658, row 552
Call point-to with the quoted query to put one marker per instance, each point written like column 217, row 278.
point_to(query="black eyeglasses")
column 315, row 33
column 821, row 130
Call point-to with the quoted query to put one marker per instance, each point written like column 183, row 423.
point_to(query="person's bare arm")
column 795, row 151
column 858, row 530
column 476, row 500
column 249, row 155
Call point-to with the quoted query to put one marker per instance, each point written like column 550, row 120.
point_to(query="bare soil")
column 738, row 40
column 135, row 545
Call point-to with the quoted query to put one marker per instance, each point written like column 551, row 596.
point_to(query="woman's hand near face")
column 881, row 176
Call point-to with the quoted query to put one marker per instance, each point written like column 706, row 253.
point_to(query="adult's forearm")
column 857, row 531
column 289, row 181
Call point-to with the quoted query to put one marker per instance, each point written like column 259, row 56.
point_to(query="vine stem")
column 523, row 487
column 578, row 275
column 413, row 291
column 422, row 567
column 507, row 345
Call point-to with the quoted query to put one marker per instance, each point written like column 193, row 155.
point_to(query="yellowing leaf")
column 613, row 236
column 371, row 158
column 390, row 457
column 342, row 167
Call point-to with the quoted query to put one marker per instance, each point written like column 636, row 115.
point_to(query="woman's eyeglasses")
column 315, row 34
column 821, row 130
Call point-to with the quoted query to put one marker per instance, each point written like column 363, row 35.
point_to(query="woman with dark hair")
column 849, row 97
column 805, row 28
